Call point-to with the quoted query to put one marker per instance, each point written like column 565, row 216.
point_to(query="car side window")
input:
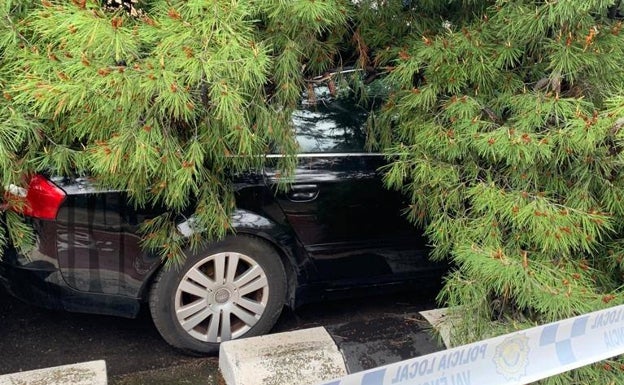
column 330, row 124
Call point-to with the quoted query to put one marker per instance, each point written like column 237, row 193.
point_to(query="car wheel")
column 233, row 288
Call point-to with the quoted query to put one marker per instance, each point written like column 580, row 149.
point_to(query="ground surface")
column 375, row 330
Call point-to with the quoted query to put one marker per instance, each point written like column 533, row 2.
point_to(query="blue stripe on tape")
column 565, row 353
column 374, row 378
column 549, row 335
column 333, row 383
column 579, row 327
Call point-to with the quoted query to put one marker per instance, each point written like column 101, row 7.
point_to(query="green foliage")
column 163, row 99
column 505, row 132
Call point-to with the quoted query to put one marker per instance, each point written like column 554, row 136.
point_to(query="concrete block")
column 438, row 318
column 87, row 373
column 302, row 357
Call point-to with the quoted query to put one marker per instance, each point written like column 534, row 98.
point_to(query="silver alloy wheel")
column 221, row 297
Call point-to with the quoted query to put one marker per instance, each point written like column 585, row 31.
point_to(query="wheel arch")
column 287, row 261
column 249, row 224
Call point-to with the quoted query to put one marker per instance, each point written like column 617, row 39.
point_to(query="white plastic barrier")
column 514, row 359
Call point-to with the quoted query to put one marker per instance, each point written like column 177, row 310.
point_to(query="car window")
column 330, row 124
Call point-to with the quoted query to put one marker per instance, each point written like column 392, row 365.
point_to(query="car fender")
column 248, row 223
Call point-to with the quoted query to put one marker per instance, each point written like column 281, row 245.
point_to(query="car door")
column 349, row 224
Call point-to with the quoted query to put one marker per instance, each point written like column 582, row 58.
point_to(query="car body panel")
column 39, row 281
column 98, row 245
column 349, row 224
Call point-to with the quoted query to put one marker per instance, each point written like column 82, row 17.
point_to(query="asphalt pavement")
column 372, row 331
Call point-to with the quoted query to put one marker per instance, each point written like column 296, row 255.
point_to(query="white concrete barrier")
column 439, row 320
column 87, row 373
column 302, row 357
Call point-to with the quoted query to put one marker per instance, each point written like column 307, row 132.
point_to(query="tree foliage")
column 503, row 125
column 506, row 135
column 163, row 99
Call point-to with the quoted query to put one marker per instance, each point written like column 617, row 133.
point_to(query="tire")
column 233, row 288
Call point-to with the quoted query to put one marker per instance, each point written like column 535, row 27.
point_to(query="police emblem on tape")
column 512, row 357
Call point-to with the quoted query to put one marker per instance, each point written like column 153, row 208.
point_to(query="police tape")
column 518, row 358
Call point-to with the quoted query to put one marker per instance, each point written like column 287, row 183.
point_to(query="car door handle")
column 303, row 193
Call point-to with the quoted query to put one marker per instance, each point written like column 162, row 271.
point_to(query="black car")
column 335, row 230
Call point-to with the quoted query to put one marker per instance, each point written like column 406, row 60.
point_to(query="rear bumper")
column 38, row 285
